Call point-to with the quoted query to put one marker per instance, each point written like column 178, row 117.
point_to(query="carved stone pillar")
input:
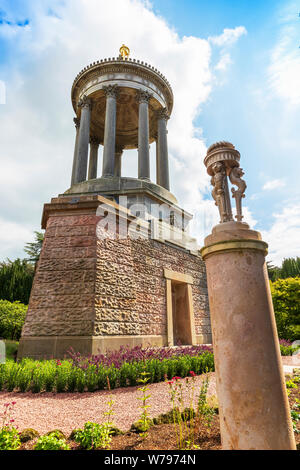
column 253, row 405
column 83, row 141
column 111, row 92
column 118, row 162
column 93, row 163
column 162, row 143
column 143, row 98
column 75, row 158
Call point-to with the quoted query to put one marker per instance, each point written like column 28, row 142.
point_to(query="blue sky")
column 234, row 67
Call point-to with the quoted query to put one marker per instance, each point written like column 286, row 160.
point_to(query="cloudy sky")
column 234, row 68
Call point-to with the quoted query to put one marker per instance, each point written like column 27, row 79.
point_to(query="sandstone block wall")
column 90, row 287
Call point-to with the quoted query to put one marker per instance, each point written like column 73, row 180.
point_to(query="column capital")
column 143, row 96
column 85, row 102
column 94, row 141
column 162, row 114
column 111, row 90
column 76, row 121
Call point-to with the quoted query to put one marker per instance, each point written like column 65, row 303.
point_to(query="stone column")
column 162, row 143
column 253, row 405
column 143, row 98
column 111, row 92
column 83, row 140
column 118, row 162
column 156, row 160
column 93, row 163
column 77, row 123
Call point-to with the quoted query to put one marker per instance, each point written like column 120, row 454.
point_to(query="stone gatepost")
column 253, row 404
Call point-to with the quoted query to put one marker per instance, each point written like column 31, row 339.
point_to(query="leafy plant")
column 93, row 436
column 145, row 421
column 50, row 442
column 9, row 436
column 9, row 439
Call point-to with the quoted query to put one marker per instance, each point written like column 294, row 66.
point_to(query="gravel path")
column 67, row 411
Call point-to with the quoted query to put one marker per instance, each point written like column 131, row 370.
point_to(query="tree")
column 34, row 249
column 16, row 279
column 290, row 268
column 273, row 271
column 286, row 301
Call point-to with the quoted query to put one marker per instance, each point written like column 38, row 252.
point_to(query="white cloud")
column 284, row 68
column 228, row 37
column 37, row 132
column 12, row 235
column 224, row 62
column 273, row 184
column 284, row 235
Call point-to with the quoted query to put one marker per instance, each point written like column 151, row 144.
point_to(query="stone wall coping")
column 88, row 203
column 234, row 245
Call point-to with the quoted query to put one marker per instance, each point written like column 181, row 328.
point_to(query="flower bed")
column 116, row 369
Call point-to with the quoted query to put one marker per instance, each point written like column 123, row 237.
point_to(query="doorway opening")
column 180, row 313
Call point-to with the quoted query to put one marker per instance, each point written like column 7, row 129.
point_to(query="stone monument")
column 118, row 266
column 253, row 405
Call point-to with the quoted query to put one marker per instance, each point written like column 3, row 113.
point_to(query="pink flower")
column 192, row 373
column 13, row 402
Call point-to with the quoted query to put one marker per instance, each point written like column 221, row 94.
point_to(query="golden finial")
column 124, row 51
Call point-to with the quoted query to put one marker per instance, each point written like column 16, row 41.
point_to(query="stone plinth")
column 93, row 293
column 253, row 404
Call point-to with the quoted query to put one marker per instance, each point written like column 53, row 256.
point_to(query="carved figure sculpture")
column 218, row 192
column 235, row 178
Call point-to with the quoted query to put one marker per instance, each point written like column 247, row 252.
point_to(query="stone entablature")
column 146, row 72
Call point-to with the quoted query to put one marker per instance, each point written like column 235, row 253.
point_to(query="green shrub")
column 28, row 434
column 93, row 436
column 23, row 379
column 73, row 434
column 288, row 350
column 9, row 438
column 141, row 426
column 286, row 301
column 57, row 433
column 91, row 378
column 49, row 368
column 80, row 380
column 16, row 280
column 50, row 442
column 62, row 375
column 12, row 317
